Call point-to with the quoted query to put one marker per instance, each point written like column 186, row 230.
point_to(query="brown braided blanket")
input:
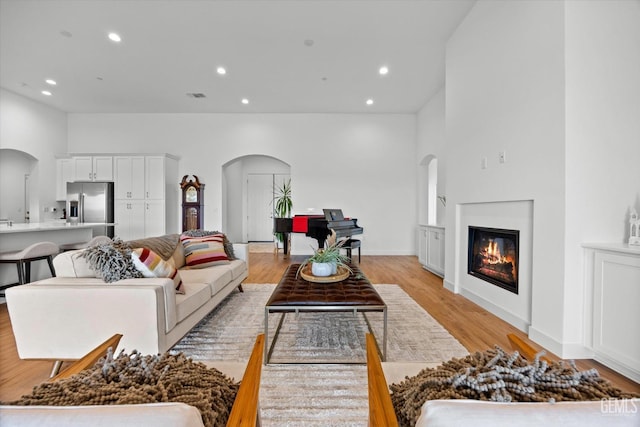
column 137, row 379
column 497, row 376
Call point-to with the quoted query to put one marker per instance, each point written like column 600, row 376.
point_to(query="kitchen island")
column 20, row 235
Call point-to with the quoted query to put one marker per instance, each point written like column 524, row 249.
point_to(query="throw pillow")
column 228, row 246
column 112, row 261
column 200, row 252
column 150, row 264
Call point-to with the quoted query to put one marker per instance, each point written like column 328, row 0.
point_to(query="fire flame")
column 492, row 255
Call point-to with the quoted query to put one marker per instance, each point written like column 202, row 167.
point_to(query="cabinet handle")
column 89, row 175
column 147, row 206
column 147, row 194
column 94, row 176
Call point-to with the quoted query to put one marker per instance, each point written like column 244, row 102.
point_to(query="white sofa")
column 60, row 317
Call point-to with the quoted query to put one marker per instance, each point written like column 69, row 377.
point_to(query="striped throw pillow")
column 205, row 251
column 150, row 264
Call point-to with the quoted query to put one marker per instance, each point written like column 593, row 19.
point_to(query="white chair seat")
column 23, row 258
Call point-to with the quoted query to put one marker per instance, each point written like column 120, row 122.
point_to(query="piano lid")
column 333, row 214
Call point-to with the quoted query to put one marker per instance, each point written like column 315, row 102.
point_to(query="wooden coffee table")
column 295, row 294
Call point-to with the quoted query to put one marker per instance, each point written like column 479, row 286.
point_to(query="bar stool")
column 350, row 244
column 23, row 259
column 98, row 240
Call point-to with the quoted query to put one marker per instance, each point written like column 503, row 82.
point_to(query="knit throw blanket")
column 164, row 246
column 138, row 379
column 497, row 376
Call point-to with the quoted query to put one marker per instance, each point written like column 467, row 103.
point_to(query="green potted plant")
column 282, row 205
column 325, row 262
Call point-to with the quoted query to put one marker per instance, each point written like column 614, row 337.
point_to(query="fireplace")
column 493, row 256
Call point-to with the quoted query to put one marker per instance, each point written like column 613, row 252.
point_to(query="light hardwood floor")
column 473, row 326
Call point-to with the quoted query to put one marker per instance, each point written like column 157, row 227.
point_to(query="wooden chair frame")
column 245, row 411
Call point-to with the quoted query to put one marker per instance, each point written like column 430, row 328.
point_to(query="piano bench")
column 350, row 244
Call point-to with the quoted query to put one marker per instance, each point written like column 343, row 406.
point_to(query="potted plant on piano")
column 282, row 205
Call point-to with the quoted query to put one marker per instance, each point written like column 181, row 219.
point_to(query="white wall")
column 602, row 135
column 554, row 85
column 364, row 164
column 39, row 131
column 505, row 92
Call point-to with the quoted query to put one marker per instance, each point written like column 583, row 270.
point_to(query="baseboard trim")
column 449, row 286
column 519, row 323
column 562, row 350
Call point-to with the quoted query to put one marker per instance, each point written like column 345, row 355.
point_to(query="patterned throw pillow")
column 150, row 264
column 205, row 251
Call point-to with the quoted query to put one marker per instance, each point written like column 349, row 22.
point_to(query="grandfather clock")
column 192, row 204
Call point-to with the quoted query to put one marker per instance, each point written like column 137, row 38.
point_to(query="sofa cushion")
column 170, row 414
column 151, row 264
column 195, row 296
column 216, row 277
column 200, row 252
column 238, row 268
column 455, row 413
column 73, row 264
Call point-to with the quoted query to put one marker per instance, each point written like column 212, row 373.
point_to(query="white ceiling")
column 172, row 47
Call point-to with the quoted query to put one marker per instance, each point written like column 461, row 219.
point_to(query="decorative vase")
column 321, row 269
column 334, row 267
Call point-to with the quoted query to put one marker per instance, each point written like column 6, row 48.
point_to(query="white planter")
column 321, row 269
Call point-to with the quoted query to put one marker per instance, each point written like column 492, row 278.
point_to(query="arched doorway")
column 428, row 190
column 248, row 183
column 16, row 170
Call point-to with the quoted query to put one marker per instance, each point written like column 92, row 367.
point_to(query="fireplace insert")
column 493, row 256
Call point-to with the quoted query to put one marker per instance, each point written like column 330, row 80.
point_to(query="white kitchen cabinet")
column 154, row 181
column 144, row 208
column 93, row 168
column 130, row 219
column 65, row 172
column 431, row 248
column 129, row 177
column 422, row 245
column 154, row 218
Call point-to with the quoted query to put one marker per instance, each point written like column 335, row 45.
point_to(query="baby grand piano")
column 317, row 226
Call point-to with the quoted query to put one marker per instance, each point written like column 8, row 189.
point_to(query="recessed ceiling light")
column 369, row 101
column 46, row 92
column 383, row 70
column 245, row 101
column 221, row 70
column 51, row 82
column 114, row 37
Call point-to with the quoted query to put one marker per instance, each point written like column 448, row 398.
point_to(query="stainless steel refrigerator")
column 91, row 201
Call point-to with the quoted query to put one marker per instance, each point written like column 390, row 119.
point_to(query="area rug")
column 314, row 394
